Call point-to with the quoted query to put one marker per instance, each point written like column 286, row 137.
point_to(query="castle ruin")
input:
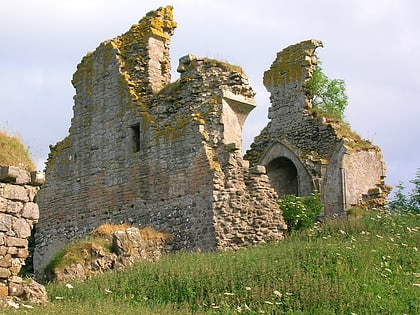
column 150, row 152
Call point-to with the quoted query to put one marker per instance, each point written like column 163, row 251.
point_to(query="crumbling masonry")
column 148, row 152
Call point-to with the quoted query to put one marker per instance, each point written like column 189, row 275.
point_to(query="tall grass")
column 14, row 153
column 356, row 266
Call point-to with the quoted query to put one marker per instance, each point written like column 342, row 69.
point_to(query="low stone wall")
column 18, row 214
column 128, row 246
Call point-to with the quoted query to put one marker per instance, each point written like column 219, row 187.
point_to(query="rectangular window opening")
column 135, row 138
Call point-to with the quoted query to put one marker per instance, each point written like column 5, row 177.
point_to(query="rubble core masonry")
column 150, row 152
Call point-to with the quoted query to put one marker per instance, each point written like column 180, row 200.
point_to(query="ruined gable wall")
column 341, row 166
column 289, row 116
column 86, row 172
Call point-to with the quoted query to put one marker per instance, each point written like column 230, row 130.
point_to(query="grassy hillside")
column 355, row 266
column 14, row 153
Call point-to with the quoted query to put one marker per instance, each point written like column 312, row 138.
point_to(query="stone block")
column 15, row 289
column 32, row 191
column 9, row 206
column 34, row 292
column 37, row 178
column 14, row 192
column 4, row 273
column 6, row 261
column 12, row 250
column 22, row 228
column 13, row 174
column 3, row 204
column 30, row 211
column 4, row 291
column 258, row 169
column 15, row 279
column 17, row 242
column 22, row 253
column 5, row 222
column 14, row 270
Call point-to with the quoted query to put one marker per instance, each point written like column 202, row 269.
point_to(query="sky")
column 374, row 46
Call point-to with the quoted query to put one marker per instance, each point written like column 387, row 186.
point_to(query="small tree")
column 327, row 95
column 410, row 202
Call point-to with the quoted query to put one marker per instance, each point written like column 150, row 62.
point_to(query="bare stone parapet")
column 18, row 215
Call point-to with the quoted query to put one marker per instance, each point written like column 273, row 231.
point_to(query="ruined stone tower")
column 145, row 151
column 305, row 151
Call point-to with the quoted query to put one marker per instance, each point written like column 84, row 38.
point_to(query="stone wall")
column 18, row 215
column 305, row 150
column 147, row 152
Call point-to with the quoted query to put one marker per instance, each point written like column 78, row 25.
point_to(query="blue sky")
column 374, row 46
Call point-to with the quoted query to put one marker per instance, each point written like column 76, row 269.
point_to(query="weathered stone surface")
column 171, row 159
column 75, row 271
column 31, row 211
column 16, row 242
column 305, row 151
column 4, row 273
column 17, row 216
column 37, row 178
column 15, row 289
column 4, row 291
column 33, row 292
column 6, row 261
column 14, row 193
column 12, row 174
column 5, row 222
column 22, row 228
column 12, row 207
column 128, row 246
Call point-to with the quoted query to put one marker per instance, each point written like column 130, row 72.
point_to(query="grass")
column 368, row 265
column 14, row 153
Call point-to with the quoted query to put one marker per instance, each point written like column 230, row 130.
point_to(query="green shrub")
column 300, row 212
column 407, row 203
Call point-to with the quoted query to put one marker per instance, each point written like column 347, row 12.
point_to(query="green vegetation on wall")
column 328, row 95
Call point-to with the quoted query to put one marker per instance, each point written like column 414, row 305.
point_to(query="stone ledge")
column 18, row 176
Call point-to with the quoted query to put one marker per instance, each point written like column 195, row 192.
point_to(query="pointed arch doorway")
column 283, row 176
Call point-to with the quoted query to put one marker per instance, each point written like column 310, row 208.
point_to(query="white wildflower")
column 59, row 298
column 342, row 232
column 27, row 306
column 108, row 291
column 13, row 304
column 229, row 293
column 248, row 288
column 278, row 293
column 69, row 286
